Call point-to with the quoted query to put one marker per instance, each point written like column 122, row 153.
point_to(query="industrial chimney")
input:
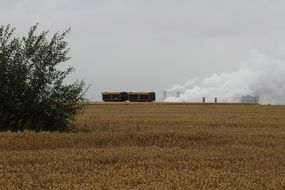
column 164, row 95
column 177, row 94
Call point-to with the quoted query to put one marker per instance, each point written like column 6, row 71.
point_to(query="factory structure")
column 128, row 96
column 244, row 99
column 151, row 97
column 250, row 99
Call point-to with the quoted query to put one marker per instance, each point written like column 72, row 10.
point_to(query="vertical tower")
column 204, row 99
column 257, row 99
column 164, row 95
column 177, row 94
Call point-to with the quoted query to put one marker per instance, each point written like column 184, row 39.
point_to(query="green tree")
column 33, row 93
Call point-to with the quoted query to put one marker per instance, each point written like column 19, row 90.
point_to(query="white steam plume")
column 258, row 75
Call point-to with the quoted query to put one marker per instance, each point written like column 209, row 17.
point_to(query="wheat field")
column 152, row 146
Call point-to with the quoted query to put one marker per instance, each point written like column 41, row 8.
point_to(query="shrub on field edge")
column 33, row 93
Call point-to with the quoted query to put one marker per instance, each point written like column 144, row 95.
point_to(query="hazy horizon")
column 124, row 45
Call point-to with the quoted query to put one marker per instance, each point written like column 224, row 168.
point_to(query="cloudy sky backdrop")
column 153, row 44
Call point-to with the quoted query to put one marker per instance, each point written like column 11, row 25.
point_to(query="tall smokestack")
column 257, row 99
column 177, row 94
column 164, row 95
column 257, row 75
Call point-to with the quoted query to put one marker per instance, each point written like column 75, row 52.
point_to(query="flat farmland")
column 152, row 146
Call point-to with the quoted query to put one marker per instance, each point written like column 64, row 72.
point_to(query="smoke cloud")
column 258, row 75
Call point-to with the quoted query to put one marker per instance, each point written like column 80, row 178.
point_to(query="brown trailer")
column 141, row 96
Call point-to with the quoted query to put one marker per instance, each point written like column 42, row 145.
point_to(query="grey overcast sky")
column 152, row 44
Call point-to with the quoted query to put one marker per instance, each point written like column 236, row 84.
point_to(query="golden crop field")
column 152, row 146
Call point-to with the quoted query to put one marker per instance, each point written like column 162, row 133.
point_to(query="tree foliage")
column 33, row 93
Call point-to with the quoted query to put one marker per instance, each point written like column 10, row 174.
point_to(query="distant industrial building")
column 250, row 99
column 141, row 96
column 177, row 94
column 114, row 96
column 164, row 94
column 128, row 96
